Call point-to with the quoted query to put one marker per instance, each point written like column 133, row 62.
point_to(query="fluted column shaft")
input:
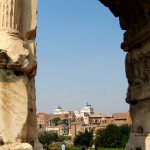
column 10, row 16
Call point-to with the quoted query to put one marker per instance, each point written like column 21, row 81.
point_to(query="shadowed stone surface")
column 134, row 17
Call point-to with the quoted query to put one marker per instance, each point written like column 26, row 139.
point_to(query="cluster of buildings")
column 72, row 122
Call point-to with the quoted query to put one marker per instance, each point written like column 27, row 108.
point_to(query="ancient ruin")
column 17, row 75
column 134, row 16
column 18, row 70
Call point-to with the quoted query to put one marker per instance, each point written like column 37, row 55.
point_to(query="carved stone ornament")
column 138, row 73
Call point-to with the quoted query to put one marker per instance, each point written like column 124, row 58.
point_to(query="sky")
column 79, row 57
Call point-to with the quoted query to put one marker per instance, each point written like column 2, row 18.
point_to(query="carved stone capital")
column 15, row 53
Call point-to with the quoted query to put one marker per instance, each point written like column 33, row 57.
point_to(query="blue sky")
column 79, row 57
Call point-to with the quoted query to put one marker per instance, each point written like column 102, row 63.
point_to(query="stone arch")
column 134, row 19
column 18, row 70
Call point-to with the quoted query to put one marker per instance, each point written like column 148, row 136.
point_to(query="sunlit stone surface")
column 17, row 75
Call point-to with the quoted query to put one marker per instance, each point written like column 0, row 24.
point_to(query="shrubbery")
column 112, row 137
column 63, row 138
column 85, row 138
column 48, row 137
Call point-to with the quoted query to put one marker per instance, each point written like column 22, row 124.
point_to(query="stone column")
column 134, row 16
column 10, row 16
column 138, row 94
column 17, row 75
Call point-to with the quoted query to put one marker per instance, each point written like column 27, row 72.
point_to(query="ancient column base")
column 22, row 146
column 16, row 146
column 138, row 142
column 36, row 145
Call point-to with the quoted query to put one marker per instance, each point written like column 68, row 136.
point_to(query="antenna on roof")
column 59, row 107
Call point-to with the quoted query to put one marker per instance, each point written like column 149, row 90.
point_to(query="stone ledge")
column 137, row 93
column 136, row 39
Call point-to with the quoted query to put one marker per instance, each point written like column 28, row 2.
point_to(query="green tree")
column 48, row 137
column 85, row 138
column 124, row 132
column 63, row 138
column 65, row 121
column 56, row 120
column 99, row 137
column 113, row 136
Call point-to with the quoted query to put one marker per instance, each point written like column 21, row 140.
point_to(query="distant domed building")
column 87, row 110
column 60, row 111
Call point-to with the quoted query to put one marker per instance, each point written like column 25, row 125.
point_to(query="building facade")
column 73, row 122
column 42, row 120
